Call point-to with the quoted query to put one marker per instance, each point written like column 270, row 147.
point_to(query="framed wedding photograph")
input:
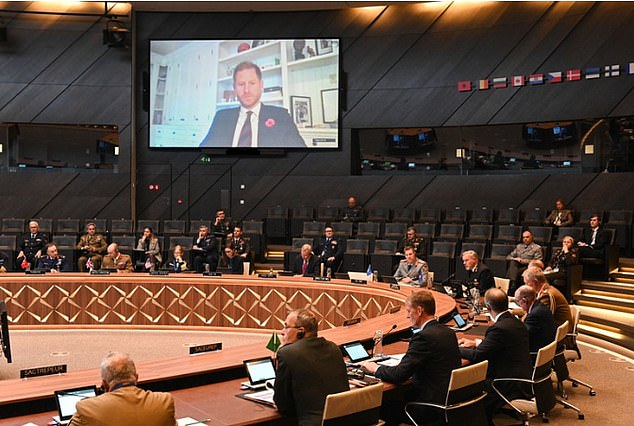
column 324, row 46
column 302, row 111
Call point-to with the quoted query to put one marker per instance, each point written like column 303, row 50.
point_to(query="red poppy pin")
column 269, row 123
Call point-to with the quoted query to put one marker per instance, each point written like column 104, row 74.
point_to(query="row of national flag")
column 551, row 77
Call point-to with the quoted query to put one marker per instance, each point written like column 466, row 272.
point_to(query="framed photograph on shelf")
column 324, row 46
column 302, row 111
column 303, row 49
column 329, row 105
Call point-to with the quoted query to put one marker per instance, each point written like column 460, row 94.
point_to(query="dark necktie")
column 304, row 267
column 244, row 141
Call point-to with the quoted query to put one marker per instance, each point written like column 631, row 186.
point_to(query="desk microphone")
column 446, row 280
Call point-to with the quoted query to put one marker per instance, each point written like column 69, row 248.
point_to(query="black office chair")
column 174, row 227
column 572, row 353
column 508, row 216
column 464, row 403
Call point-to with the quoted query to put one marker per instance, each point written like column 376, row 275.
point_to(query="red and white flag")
column 518, row 81
column 573, row 75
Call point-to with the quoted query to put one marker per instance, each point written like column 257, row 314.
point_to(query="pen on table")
column 198, row 422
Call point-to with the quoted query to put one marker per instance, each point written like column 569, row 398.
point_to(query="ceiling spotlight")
column 116, row 33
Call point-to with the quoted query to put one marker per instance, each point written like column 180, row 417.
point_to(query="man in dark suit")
column 594, row 239
column 308, row 369
column 330, row 249
column 538, row 321
column 478, row 273
column 505, row 346
column 31, row 247
column 306, row 264
column 204, row 250
column 431, row 356
column 253, row 124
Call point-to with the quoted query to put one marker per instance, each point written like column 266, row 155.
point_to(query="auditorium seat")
column 496, row 261
column 479, row 233
column 425, row 230
column 479, row 248
column 46, row 224
column 342, row 229
column 254, row 229
column 508, row 216
column 121, row 227
column 276, row 222
column 173, row 227
column 313, row 229
column 127, row 243
column 482, row 215
column 455, row 215
column 379, row 214
column 12, row 225
column 66, row 247
column 533, row 217
column 582, row 217
column 355, row 257
column 394, row 231
column 328, row 213
column 575, row 232
column 542, row 235
column 429, row 216
column 599, row 268
column 152, row 223
column 8, row 246
column 298, row 217
column 451, row 232
column 100, row 224
column 442, row 259
column 508, row 234
column 67, row 226
column 370, row 231
column 406, row 215
column 621, row 220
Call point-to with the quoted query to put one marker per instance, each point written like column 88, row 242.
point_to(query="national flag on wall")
column 611, row 70
column 573, row 75
column 629, row 68
column 464, row 86
column 535, row 79
column 554, row 77
column 274, row 343
column 483, row 84
column 593, row 72
column 499, row 82
column 518, row 80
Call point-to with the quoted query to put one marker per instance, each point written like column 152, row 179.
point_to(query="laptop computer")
column 389, row 279
column 67, row 400
column 359, row 276
column 357, row 353
column 259, row 370
column 461, row 324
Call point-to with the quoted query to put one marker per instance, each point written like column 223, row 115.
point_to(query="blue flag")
column 369, row 271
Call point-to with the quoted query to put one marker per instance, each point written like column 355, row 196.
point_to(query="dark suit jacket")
column 275, row 129
column 431, row 356
column 484, row 277
column 505, row 346
column 602, row 239
column 312, row 269
column 307, row 371
column 236, row 264
column 540, row 325
column 333, row 248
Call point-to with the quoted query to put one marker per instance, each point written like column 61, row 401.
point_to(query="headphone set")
column 300, row 333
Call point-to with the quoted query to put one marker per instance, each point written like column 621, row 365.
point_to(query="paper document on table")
column 513, row 305
column 392, row 360
column 187, row 421
column 263, row 397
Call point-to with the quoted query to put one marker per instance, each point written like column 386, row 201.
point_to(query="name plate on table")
column 395, row 286
column 161, row 272
column 355, row 281
column 269, row 275
column 99, row 272
column 352, row 321
column 210, row 347
column 212, row 274
column 321, row 279
column 395, row 309
column 35, row 272
column 43, row 371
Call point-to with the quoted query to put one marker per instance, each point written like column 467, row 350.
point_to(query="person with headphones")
column 308, row 369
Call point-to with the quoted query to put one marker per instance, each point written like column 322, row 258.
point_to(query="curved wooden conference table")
column 201, row 384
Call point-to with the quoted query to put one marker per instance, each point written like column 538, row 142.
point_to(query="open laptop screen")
column 67, row 399
column 260, row 370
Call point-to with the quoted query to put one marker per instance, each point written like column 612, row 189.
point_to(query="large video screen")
column 244, row 93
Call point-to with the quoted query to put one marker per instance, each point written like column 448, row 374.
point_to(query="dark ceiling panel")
column 88, row 105
column 31, row 102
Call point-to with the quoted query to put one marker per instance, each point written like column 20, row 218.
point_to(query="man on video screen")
column 253, row 124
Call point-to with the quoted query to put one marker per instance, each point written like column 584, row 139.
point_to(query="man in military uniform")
column 31, row 246
column 239, row 245
column 204, row 250
column 117, row 260
column 53, row 261
column 91, row 245
column 221, row 226
column 330, row 250
column 353, row 213
column 413, row 240
column 411, row 270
